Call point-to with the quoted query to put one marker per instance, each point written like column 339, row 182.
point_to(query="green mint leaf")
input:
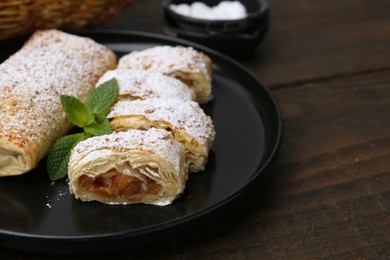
column 96, row 129
column 59, row 154
column 76, row 111
column 100, row 100
column 91, row 116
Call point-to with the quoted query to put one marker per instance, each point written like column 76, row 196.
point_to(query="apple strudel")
column 186, row 120
column 140, row 84
column 135, row 166
column 192, row 67
column 49, row 64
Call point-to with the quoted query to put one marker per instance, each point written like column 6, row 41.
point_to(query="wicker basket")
column 19, row 17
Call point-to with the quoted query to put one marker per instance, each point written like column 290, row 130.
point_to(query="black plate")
column 38, row 215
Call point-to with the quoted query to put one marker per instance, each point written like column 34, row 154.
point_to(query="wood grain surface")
column 328, row 194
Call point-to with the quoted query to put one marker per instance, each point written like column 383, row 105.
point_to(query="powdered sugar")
column 51, row 63
column 56, row 195
column 183, row 116
column 166, row 59
column 192, row 67
column 157, row 141
column 225, row 10
column 139, row 84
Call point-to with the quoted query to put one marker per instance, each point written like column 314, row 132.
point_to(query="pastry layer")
column 140, row 84
column 185, row 119
column 50, row 63
column 192, row 67
column 135, row 166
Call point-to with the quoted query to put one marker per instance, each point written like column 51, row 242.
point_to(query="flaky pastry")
column 192, row 67
column 135, row 166
column 50, row 63
column 141, row 84
column 186, row 120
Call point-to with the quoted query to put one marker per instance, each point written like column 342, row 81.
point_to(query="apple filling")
column 115, row 184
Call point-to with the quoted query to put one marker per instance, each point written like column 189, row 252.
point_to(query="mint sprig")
column 91, row 116
column 59, row 154
column 76, row 111
column 100, row 102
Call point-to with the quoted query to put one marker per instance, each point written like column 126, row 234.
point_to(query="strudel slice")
column 186, row 120
column 141, row 84
column 185, row 63
column 50, row 63
column 135, row 166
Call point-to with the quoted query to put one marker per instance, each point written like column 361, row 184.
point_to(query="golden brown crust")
column 49, row 64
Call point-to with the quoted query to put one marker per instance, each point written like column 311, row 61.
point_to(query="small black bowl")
column 237, row 38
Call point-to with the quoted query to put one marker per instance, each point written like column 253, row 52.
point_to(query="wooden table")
column 328, row 194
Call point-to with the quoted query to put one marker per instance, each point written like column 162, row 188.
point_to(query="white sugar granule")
column 56, row 195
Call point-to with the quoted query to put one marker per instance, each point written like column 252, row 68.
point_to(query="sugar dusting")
column 166, row 59
column 51, row 63
column 183, row 116
column 58, row 192
column 140, row 84
column 157, row 141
